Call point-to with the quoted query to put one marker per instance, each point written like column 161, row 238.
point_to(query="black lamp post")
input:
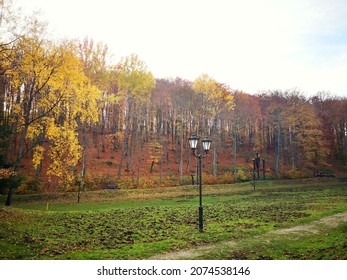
column 206, row 144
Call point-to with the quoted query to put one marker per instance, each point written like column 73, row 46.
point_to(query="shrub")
column 226, row 178
column 146, row 183
column 208, row 179
column 243, row 175
column 186, row 180
column 9, row 179
column 295, row 174
column 170, row 181
column 29, row 186
column 99, row 182
column 226, row 168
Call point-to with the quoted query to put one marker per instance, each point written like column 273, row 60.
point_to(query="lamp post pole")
column 201, row 211
column 206, row 143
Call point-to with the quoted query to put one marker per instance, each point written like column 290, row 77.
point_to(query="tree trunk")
column 83, row 171
column 234, row 159
column 125, row 138
column 133, row 148
column 2, row 95
column 9, row 196
column 215, row 160
column 21, row 148
column 140, row 155
column 161, row 162
column 181, row 155
column 151, row 170
column 277, row 151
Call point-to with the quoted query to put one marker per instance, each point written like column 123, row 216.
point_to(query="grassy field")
column 141, row 224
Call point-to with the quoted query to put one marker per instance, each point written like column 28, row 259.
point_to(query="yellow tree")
column 305, row 143
column 77, row 105
column 215, row 98
column 135, row 83
column 9, row 21
column 94, row 61
column 36, row 73
column 52, row 93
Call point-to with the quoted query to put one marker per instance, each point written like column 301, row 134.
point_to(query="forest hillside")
column 69, row 119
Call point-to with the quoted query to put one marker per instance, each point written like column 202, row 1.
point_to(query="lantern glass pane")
column 193, row 142
column 206, row 143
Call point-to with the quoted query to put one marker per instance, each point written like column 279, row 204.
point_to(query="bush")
column 226, row 168
column 243, row 175
column 146, row 183
column 295, row 174
column 28, row 186
column 208, row 179
column 186, row 180
column 9, row 180
column 170, row 181
column 226, row 178
column 269, row 175
column 100, row 182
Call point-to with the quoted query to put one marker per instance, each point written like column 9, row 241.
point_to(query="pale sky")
column 250, row 45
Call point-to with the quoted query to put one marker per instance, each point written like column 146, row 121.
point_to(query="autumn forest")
column 70, row 119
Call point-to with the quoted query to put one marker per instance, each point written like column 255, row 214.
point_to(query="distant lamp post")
column 206, row 144
column 256, row 168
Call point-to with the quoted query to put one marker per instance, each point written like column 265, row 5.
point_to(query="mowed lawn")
column 141, row 224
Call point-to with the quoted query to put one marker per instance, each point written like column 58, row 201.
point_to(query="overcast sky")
column 251, row 45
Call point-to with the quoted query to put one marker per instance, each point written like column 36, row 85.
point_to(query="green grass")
column 327, row 245
column 138, row 224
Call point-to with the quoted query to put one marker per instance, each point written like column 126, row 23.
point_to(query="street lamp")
column 206, row 144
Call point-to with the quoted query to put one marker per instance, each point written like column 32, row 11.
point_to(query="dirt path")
column 314, row 227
